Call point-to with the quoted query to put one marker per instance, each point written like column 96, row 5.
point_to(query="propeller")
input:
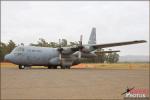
column 80, row 47
column 60, row 49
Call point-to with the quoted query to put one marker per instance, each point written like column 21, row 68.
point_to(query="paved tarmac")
column 38, row 83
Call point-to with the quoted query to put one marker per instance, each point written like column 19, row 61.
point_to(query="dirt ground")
column 75, row 83
column 142, row 66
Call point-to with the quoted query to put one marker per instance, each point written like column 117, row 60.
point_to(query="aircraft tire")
column 54, row 67
column 21, row 66
column 63, row 67
column 68, row 67
column 49, row 67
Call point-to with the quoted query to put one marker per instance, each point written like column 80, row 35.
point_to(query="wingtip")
column 144, row 40
column 141, row 41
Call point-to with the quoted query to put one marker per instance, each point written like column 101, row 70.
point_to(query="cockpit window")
column 18, row 49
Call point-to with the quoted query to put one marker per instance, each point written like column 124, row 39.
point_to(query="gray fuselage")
column 30, row 55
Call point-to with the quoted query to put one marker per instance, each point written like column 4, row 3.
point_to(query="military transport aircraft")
column 65, row 57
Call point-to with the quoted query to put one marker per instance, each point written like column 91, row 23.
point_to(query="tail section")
column 92, row 39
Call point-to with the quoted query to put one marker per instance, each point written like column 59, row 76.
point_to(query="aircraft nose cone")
column 7, row 57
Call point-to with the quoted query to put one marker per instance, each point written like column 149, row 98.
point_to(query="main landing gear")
column 65, row 67
column 62, row 67
column 52, row 67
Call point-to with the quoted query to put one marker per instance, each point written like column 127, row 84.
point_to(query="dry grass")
column 100, row 66
column 116, row 66
column 5, row 64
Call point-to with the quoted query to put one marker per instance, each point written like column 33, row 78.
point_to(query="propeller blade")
column 79, row 54
column 60, row 49
column 81, row 40
column 59, row 56
column 59, row 43
column 80, row 47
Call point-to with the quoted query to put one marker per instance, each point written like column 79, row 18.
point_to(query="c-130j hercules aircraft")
column 65, row 57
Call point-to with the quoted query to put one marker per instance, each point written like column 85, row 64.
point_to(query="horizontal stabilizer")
column 101, row 52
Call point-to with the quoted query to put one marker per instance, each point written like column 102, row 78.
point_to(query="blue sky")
column 115, row 21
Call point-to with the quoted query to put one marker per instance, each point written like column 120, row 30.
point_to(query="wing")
column 117, row 44
column 71, row 50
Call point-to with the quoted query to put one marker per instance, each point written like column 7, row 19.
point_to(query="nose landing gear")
column 23, row 66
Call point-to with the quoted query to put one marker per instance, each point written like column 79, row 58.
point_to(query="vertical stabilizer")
column 92, row 39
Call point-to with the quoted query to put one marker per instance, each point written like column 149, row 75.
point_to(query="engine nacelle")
column 66, row 51
column 87, row 49
column 86, row 55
